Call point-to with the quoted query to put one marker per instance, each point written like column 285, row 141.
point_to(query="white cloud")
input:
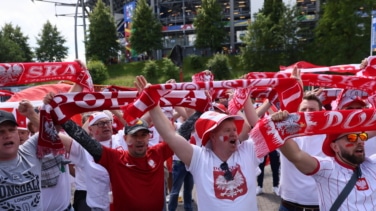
column 31, row 17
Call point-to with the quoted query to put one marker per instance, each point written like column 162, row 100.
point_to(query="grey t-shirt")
column 20, row 187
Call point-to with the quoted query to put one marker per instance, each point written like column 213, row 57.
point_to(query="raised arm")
column 84, row 139
column 302, row 160
column 182, row 148
column 27, row 109
column 250, row 117
column 78, row 134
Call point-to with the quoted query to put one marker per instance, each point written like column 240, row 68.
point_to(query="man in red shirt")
column 136, row 174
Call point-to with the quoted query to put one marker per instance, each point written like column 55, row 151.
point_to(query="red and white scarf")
column 64, row 106
column 6, row 93
column 26, row 73
column 269, row 135
column 289, row 91
column 305, row 67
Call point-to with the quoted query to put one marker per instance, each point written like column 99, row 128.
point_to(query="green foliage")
column 274, row 8
column 124, row 74
column 13, row 45
column 50, row 45
column 220, row 67
column 147, row 30
column 150, row 71
column 271, row 41
column 209, row 26
column 195, row 61
column 169, row 70
column 9, row 51
column 98, row 71
column 342, row 33
column 102, row 38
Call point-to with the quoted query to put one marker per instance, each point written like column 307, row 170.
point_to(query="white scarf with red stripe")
column 268, row 135
column 289, row 91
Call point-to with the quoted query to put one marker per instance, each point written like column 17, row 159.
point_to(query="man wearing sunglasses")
column 350, row 99
column 345, row 155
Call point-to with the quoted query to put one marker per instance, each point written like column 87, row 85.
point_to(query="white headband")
column 96, row 116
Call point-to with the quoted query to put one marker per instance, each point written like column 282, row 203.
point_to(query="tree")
column 15, row 38
column 210, row 31
column 146, row 29
column 342, row 35
column 50, row 45
column 102, row 41
column 274, row 8
column 271, row 41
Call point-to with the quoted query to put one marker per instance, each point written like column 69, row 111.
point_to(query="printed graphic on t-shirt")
column 361, row 184
column 19, row 191
column 151, row 163
column 230, row 189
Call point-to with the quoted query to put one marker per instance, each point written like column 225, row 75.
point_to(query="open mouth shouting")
column 8, row 144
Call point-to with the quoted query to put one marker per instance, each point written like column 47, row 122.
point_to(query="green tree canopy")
column 209, row 26
column 13, row 45
column 342, row 34
column 102, row 41
column 50, row 45
column 146, row 29
column 271, row 41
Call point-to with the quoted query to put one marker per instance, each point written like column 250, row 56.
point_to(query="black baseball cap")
column 7, row 116
column 139, row 125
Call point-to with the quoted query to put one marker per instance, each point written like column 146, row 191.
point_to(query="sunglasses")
column 228, row 175
column 353, row 137
column 102, row 124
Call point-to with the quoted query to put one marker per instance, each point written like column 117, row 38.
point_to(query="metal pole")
column 84, row 23
column 75, row 30
column 232, row 30
column 183, row 24
column 112, row 8
column 373, row 39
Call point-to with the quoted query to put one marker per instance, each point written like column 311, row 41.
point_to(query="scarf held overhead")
column 64, row 106
column 269, row 135
column 289, row 91
column 26, row 73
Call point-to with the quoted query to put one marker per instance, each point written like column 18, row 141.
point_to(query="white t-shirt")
column 370, row 146
column 332, row 177
column 213, row 191
column 295, row 186
column 96, row 178
column 58, row 197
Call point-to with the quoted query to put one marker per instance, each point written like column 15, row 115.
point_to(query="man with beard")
column 346, row 154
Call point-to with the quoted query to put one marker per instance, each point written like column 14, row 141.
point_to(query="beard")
column 351, row 157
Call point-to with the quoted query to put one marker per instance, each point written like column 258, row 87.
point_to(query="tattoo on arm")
column 84, row 139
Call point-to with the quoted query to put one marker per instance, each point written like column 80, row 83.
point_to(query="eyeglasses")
column 228, row 175
column 353, row 137
column 102, row 124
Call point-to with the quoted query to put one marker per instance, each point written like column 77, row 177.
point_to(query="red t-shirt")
column 137, row 183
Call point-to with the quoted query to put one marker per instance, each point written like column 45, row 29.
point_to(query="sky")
column 31, row 16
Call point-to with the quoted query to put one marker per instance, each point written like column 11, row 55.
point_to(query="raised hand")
column 141, row 83
column 47, row 99
column 26, row 108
